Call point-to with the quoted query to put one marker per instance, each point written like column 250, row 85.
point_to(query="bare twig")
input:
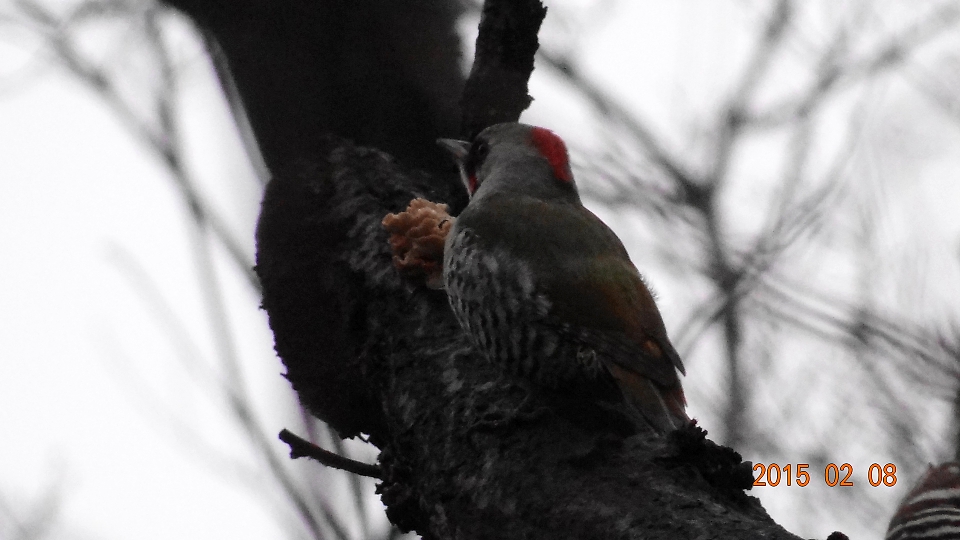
column 833, row 74
column 238, row 399
column 164, row 140
column 161, row 142
column 722, row 270
column 610, row 108
column 39, row 520
column 303, row 448
column 787, row 221
column 239, row 113
column 847, row 323
column 731, row 118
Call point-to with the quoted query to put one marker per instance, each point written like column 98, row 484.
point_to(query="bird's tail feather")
column 661, row 408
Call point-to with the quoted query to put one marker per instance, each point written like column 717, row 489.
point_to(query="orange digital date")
column 834, row 475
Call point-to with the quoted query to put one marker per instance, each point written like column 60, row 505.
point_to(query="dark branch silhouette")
column 300, row 447
column 496, row 90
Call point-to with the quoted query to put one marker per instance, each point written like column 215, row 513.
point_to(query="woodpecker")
column 544, row 288
column 932, row 508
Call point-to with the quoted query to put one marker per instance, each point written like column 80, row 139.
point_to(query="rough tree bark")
column 465, row 453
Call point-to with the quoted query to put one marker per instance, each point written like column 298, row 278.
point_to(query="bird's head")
column 515, row 158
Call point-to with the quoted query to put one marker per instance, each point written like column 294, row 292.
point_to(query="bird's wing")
column 583, row 268
column 606, row 300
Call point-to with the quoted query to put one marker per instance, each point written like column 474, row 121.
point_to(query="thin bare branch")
column 40, row 519
column 763, row 52
column 191, row 357
column 303, row 448
column 238, row 112
column 787, row 222
column 162, row 142
column 239, row 400
column 610, row 108
column 731, row 118
column 850, row 324
column 833, row 74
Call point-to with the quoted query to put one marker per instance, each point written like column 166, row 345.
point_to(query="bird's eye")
column 480, row 151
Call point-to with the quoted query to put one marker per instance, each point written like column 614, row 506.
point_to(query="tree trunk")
column 465, row 451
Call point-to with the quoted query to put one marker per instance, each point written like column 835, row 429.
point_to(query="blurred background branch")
column 154, row 118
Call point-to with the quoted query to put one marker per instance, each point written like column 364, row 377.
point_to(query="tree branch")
column 303, row 448
column 496, row 90
column 651, row 142
column 378, row 72
column 466, row 451
column 833, row 75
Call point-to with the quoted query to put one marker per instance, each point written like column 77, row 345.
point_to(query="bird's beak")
column 459, row 150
